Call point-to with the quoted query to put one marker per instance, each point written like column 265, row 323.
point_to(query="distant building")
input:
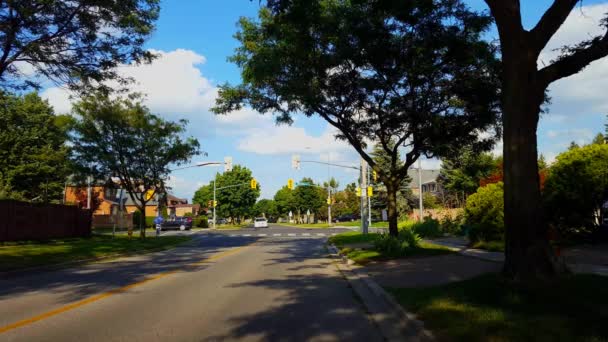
column 429, row 181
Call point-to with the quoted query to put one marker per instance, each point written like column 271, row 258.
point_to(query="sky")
column 194, row 39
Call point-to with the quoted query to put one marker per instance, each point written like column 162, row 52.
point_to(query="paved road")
column 220, row 287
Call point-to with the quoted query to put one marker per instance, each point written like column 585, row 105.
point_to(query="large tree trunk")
column 527, row 251
column 393, row 214
column 142, row 223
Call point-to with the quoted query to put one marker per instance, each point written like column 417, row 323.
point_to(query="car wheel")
column 182, row 227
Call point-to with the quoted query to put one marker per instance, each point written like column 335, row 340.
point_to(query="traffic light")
column 254, row 183
column 290, row 184
column 295, row 161
column 370, row 191
column 375, row 174
column 358, row 192
column 227, row 164
column 328, row 200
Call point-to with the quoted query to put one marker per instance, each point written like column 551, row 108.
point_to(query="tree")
column 307, row 196
column 238, row 201
column 524, row 85
column 285, row 201
column 414, row 73
column 599, row 139
column 577, row 187
column 266, row 207
column 78, row 43
column 33, row 151
column 121, row 138
column 203, row 195
column 461, row 174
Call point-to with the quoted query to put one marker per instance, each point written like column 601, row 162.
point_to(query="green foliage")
column 33, row 153
column 307, row 197
column 428, row 228
column 201, row 221
column 203, row 195
column 265, row 206
column 401, row 245
column 429, row 201
column 75, row 42
column 233, row 202
column 338, row 59
column 484, row 213
column 452, row 226
column 188, row 215
column 120, row 137
column 576, row 187
column 599, row 139
column 284, row 201
column 462, row 172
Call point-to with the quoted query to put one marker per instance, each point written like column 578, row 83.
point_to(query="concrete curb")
column 394, row 322
column 69, row 264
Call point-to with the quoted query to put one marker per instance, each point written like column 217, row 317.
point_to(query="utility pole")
column 420, row 189
column 214, row 187
column 369, row 199
column 363, row 177
column 89, row 192
column 328, row 191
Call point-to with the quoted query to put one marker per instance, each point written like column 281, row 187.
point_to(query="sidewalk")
column 581, row 259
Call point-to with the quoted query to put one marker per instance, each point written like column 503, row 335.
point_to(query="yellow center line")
column 95, row 298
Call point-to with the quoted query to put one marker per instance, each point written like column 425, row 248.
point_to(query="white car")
column 260, row 222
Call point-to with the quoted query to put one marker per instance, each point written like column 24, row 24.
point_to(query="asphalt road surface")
column 222, row 286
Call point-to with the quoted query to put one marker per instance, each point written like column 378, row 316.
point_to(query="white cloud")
column 290, row 139
column 174, row 87
column 584, row 92
column 583, row 135
column 183, row 187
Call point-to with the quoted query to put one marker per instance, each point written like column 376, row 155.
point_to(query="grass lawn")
column 358, row 224
column 486, row 309
column 350, row 244
column 16, row 255
column 232, row 226
column 492, row 246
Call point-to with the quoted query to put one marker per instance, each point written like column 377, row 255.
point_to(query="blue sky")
column 194, row 39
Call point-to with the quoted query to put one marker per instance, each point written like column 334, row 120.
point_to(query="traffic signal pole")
column 363, row 177
column 214, row 187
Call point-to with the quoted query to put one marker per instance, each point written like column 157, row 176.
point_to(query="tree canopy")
column 121, row 138
column 577, row 187
column 414, row 73
column 74, row 43
column 238, row 201
column 33, row 154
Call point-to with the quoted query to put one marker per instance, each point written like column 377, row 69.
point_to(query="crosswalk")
column 274, row 235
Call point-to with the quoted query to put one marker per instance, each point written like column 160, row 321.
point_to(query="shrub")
column 200, row 221
column 428, row 228
column 449, row 225
column 188, row 215
column 397, row 246
column 484, row 213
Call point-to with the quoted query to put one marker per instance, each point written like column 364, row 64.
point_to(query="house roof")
column 195, row 206
column 171, row 197
column 428, row 176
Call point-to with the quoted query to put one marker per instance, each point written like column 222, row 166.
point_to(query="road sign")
column 227, row 164
column 254, row 183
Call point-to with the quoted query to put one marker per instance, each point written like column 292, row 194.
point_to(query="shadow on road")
column 317, row 303
column 77, row 283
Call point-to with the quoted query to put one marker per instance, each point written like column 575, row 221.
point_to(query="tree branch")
column 550, row 22
column 575, row 62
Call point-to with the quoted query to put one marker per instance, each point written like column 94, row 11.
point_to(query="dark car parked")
column 346, row 218
column 178, row 222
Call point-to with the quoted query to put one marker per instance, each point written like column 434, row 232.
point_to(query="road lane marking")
column 276, row 234
column 123, row 289
column 261, row 234
column 246, row 234
column 320, row 234
column 291, row 234
column 306, row 234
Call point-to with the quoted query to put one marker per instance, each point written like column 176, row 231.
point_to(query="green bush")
column 428, row 228
column 188, row 215
column 484, row 213
column 397, row 246
column 200, row 221
column 452, row 226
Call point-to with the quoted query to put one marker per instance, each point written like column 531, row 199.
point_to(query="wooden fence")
column 28, row 221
